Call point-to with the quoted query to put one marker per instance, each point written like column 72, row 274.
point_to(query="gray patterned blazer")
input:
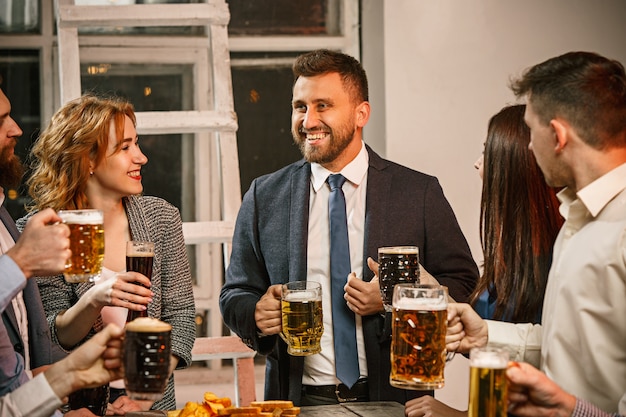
column 151, row 219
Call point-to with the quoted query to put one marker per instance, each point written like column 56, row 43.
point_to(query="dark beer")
column 418, row 348
column 147, row 349
column 488, row 383
column 86, row 244
column 95, row 399
column 139, row 258
column 302, row 325
column 397, row 265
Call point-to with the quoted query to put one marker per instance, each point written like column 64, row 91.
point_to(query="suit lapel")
column 8, row 315
column 9, row 223
column 378, row 196
column 298, row 222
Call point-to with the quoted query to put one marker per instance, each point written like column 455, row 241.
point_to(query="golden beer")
column 86, row 244
column 418, row 336
column 488, row 383
column 302, row 320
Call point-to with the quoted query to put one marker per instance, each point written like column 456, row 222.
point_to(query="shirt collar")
column 599, row 193
column 354, row 172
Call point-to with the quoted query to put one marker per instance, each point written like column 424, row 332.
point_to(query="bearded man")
column 282, row 234
column 41, row 250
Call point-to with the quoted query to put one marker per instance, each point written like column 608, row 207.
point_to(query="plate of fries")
column 212, row 405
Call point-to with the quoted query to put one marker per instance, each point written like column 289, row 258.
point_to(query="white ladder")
column 214, row 117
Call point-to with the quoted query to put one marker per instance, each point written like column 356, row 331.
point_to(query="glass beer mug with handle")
column 146, row 358
column 488, row 383
column 86, row 243
column 397, row 265
column 418, row 341
column 301, row 315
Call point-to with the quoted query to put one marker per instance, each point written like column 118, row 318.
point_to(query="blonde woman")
column 89, row 157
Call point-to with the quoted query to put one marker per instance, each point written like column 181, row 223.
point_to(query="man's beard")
column 11, row 169
column 337, row 143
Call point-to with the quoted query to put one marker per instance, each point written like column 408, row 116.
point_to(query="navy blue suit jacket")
column 404, row 207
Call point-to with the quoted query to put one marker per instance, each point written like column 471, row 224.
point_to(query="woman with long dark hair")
column 519, row 221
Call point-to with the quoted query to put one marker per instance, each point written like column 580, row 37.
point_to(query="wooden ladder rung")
column 135, row 15
column 193, row 121
column 230, row 347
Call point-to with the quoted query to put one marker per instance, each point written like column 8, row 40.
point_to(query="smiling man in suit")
column 283, row 233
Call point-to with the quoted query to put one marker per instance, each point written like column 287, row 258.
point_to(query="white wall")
column 445, row 71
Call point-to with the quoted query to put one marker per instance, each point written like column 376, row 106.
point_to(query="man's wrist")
column 60, row 378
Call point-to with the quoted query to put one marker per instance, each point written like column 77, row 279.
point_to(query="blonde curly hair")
column 78, row 134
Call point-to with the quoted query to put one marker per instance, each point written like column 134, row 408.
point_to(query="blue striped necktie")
column 344, row 328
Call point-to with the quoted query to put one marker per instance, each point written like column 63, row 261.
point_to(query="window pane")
column 284, row 17
column 19, row 79
column 150, row 88
column 262, row 94
column 19, row 16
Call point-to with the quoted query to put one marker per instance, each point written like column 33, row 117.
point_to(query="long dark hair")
column 519, row 220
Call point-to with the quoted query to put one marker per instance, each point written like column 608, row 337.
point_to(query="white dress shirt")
column 584, row 311
column 319, row 369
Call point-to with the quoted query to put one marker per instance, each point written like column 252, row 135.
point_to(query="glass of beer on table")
column 86, row 244
column 139, row 258
column 301, row 313
column 397, row 265
column 147, row 349
column 418, row 341
column 488, row 384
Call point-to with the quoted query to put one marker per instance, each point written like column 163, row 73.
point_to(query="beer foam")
column 420, row 304
column 81, row 216
column 488, row 359
column 138, row 249
column 301, row 296
column 137, row 254
column 399, row 250
column 147, row 325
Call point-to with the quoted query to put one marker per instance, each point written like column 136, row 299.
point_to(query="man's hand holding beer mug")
column 533, row 394
column 293, row 311
column 466, row 329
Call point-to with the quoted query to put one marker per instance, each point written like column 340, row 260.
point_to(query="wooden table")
column 369, row 409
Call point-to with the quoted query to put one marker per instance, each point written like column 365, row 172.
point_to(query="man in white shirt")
column 576, row 112
column 25, row 346
column 94, row 363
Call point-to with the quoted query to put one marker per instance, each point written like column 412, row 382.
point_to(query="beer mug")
column 301, row 314
column 418, row 341
column 139, row 258
column 147, row 349
column 488, row 383
column 95, row 399
column 397, row 265
column 86, row 244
